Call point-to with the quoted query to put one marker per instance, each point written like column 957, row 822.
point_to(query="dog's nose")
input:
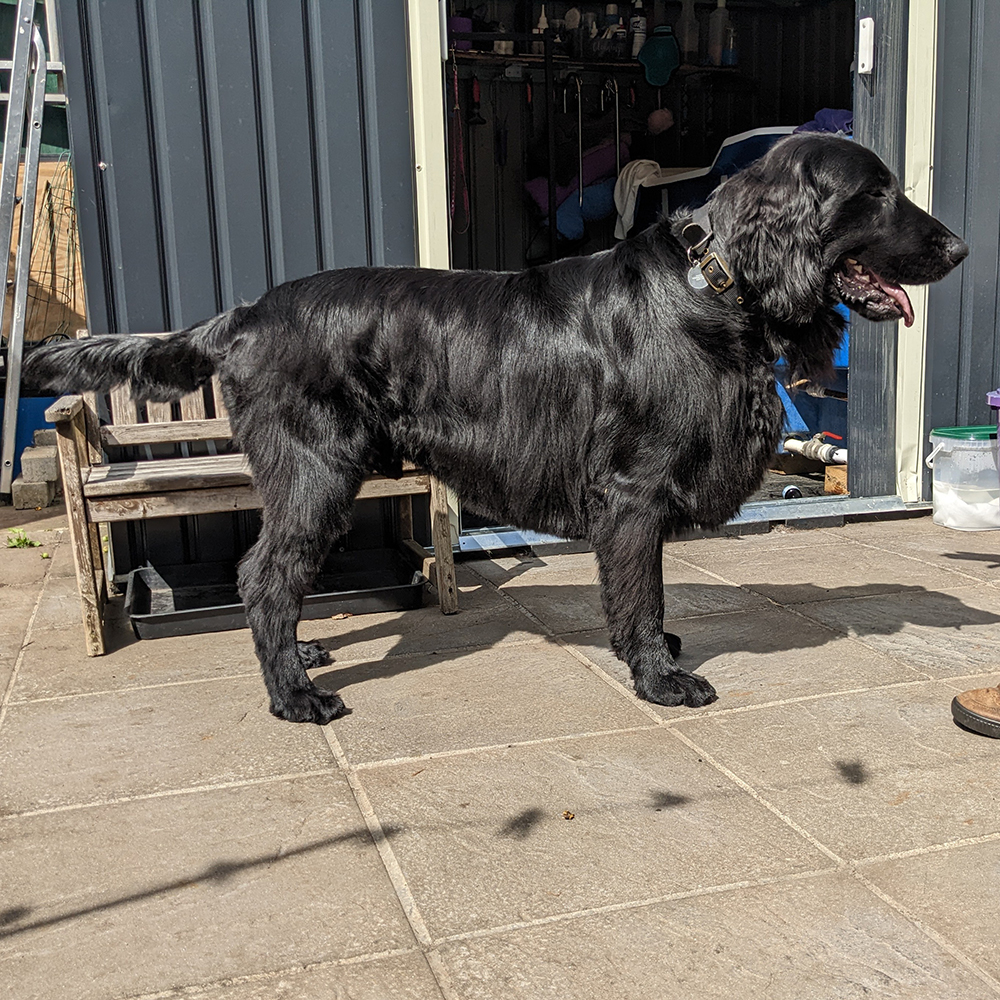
column 956, row 249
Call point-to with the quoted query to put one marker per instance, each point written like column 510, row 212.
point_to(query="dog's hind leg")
column 302, row 517
column 629, row 552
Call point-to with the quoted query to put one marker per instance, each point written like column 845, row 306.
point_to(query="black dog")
column 599, row 397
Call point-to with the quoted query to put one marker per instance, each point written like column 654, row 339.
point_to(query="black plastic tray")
column 189, row 600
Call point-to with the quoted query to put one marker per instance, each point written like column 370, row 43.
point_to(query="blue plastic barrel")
column 30, row 418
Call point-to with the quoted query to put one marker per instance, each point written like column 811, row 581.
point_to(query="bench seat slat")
column 175, row 503
column 207, row 473
column 194, row 473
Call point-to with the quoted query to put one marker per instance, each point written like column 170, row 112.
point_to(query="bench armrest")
column 64, row 408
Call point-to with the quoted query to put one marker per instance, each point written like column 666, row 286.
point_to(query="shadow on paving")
column 219, row 872
column 987, row 557
column 908, row 606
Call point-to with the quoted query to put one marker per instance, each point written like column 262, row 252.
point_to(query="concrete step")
column 29, row 496
column 40, row 464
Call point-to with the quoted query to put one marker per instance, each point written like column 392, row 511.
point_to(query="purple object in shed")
column 993, row 400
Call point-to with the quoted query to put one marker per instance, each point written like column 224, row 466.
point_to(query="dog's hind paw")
column 677, row 688
column 308, row 704
column 673, row 644
column 312, row 655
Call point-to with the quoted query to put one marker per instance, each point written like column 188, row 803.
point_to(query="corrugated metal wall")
column 963, row 350
column 221, row 147
column 224, row 146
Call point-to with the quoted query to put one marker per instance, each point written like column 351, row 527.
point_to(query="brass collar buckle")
column 715, row 272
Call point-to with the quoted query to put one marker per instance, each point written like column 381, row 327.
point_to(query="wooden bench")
column 99, row 491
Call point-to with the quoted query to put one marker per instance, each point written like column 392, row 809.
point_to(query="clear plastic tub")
column 966, row 482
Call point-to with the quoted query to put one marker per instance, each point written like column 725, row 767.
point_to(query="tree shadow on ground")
column 12, row 919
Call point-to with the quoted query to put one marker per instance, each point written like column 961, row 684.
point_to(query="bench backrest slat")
column 159, row 413
column 193, row 406
column 220, row 403
column 166, row 433
column 123, row 408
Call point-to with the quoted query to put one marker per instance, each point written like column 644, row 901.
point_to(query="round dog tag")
column 696, row 279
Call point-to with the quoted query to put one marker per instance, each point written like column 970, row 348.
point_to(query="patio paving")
column 499, row 817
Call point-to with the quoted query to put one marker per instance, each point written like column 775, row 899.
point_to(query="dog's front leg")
column 629, row 551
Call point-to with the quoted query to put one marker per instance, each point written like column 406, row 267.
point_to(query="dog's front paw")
column 313, row 655
column 308, row 704
column 677, row 688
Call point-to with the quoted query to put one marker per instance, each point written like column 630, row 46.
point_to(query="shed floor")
column 499, row 817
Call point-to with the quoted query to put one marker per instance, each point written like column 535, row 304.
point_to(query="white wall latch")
column 866, row 44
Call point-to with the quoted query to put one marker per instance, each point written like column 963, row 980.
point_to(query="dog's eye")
column 879, row 193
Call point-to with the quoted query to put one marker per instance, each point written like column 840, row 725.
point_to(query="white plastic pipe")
column 817, row 449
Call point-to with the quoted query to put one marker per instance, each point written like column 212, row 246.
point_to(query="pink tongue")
column 899, row 295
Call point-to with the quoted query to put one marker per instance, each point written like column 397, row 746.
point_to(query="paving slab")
column 973, row 553
column 406, row 706
column 406, row 977
column 564, row 592
column 868, row 774
column 820, row 938
column 20, row 567
column 801, row 572
column 16, row 606
column 754, row 658
column 103, row 746
column 186, row 889
column 547, row 829
column 952, row 891
column 56, row 662
column 941, row 632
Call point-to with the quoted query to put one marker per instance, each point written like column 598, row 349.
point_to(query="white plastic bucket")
column 966, row 483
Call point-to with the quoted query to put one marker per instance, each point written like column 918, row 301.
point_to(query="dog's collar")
column 709, row 273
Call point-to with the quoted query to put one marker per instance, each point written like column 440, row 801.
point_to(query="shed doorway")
column 790, row 64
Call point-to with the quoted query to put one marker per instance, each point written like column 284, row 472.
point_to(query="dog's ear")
column 772, row 218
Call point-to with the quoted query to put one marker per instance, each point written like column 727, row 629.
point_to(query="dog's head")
column 820, row 219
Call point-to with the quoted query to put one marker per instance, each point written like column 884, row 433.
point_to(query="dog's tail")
column 160, row 369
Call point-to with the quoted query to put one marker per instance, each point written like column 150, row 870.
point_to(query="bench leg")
column 444, row 558
column 89, row 575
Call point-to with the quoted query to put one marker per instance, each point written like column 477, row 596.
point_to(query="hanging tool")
column 475, row 116
column 456, row 170
column 609, row 91
column 575, row 80
column 500, row 128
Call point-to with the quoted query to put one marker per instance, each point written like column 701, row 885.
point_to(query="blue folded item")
column 830, row 120
column 660, row 56
column 598, row 203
